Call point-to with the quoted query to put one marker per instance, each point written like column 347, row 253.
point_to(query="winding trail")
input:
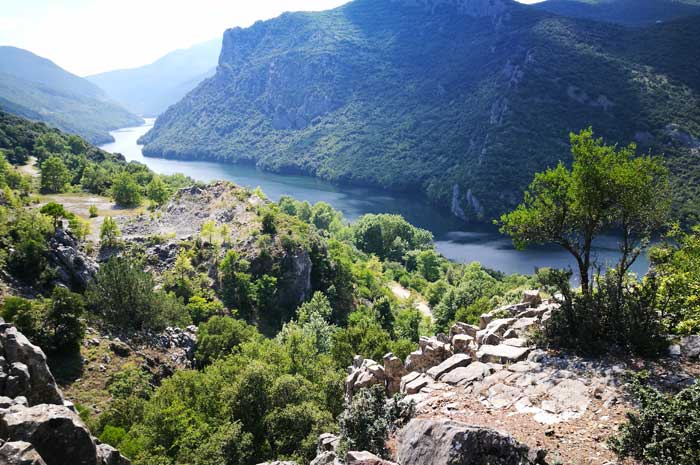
column 405, row 294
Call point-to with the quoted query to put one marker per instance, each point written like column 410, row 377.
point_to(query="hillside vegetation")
column 36, row 88
column 286, row 295
column 462, row 105
column 149, row 90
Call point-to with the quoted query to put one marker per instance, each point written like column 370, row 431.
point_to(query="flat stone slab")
column 456, row 361
column 417, row 384
column 501, row 353
column 464, row 375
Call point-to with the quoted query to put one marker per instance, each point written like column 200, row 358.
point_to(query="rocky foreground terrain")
column 37, row 425
column 483, row 395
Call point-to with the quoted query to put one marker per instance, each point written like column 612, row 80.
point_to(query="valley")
column 454, row 239
column 372, row 232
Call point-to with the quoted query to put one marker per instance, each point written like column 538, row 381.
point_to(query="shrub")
column 219, row 336
column 665, row 429
column 112, row 435
column 368, row 419
column 54, row 324
column 109, row 232
column 93, row 211
column 122, row 293
column 607, row 319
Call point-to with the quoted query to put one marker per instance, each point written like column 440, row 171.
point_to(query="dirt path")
column 30, row 169
column 404, row 294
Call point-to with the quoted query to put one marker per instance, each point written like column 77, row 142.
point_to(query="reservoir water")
column 455, row 240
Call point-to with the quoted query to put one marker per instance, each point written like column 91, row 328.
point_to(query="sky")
column 91, row 36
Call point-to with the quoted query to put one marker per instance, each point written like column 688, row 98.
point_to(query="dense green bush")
column 124, row 296
column 607, row 319
column 55, row 324
column 389, row 237
column 219, row 336
column 665, row 429
column 677, row 265
column 368, row 419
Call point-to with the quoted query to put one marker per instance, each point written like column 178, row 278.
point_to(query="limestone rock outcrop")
column 37, row 425
column 23, row 369
column 445, row 442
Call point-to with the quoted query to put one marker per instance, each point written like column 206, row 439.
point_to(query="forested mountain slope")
column 627, row 12
column 149, row 90
column 38, row 89
column 461, row 100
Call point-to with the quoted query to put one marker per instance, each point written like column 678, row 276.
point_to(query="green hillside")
column 627, row 12
column 149, row 90
column 36, row 88
column 463, row 105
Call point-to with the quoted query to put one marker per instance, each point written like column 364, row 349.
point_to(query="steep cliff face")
column 37, row 426
column 432, row 94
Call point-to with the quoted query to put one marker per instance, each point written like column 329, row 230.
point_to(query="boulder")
column 463, row 328
column 456, row 361
column 464, row 375
column 414, row 384
column 532, row 297
column 327, row 442
column 494, row 331
column 463, row 344
column 368, row 374
column 690, row 346
column 431, row 352
column 119, row 348
column 25, row 369
column 57, row 433
column 108, row 455
column 19, row 453
column 364, row 458
column 393, row 372
column 501, row 353
column 445, row 442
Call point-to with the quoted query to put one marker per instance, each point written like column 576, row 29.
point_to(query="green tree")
column 607, row 187
column 157, row 191
column 56, row 211
column 208, row 230
column 125, row 191
column 123, row 295
column 220, row 335
column 109, row 232
column 235, row 284
column 62, row 324
column 428, row 264
column 54, row 175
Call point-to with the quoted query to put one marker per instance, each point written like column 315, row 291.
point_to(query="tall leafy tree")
column 54, row 175
column 606, row 188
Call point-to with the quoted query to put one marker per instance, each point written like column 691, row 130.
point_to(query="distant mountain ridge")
column 36, row 88
column 460, row 99
column 626, row 12
column 149, row 90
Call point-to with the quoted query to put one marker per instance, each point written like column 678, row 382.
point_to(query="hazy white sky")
column 91, row 36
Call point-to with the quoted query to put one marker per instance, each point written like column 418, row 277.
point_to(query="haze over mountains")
column 462, row 100
column 149, row 90
column 627, row 12
column 36, row 88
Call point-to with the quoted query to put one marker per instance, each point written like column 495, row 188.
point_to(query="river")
column 453, row 239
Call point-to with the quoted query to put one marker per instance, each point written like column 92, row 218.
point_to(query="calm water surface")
column 459, row 242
